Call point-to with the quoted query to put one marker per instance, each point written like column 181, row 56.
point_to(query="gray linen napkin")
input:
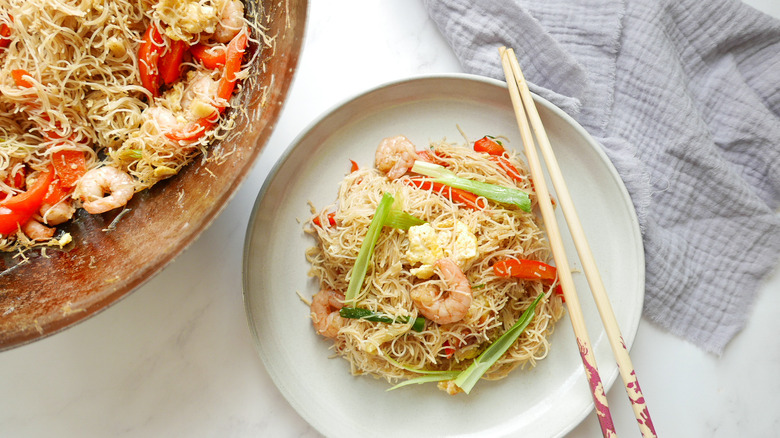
column 684, row 97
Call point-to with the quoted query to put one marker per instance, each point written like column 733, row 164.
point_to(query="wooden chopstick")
column 521, row 98
column 559, row 254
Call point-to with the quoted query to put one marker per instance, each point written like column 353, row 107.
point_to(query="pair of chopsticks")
column 528, row 118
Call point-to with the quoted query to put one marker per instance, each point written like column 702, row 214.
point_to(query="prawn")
column 444, row 306
column 94, row 185
column 58, row 213
column 325, row 316
column 196, row 101
column 198, row 96
column 395, row 156
column 37, row 231
column 231, row 21
column 165, row 120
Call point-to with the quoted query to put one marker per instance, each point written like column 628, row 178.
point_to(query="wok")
column 47, row 291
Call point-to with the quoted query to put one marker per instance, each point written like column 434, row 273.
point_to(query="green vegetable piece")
column 367, row 248
column 505, row 195
column 427, row 375
column 419, row 324
column 445, row 375
column 370, row 315
column 402, row 220
column 469, row 377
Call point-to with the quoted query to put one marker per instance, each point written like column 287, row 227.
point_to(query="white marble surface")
column 176, row 357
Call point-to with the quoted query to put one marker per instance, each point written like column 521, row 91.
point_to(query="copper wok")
column 50, row 292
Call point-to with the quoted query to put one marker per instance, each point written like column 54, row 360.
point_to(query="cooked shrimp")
column 197, row 100
column 58, row 213
column 198, row 96
column 37, row 231
column 96, row 183
column 444, row 306
column 231, row 20
column 162, row 117
column 395, row 156
column 325, row 316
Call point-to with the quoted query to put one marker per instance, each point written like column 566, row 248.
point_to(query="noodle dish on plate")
column 433, row 266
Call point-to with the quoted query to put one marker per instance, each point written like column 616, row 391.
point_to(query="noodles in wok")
column 102, row 99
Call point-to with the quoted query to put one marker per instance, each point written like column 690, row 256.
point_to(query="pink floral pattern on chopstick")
column 597, row 389
column 638, row 403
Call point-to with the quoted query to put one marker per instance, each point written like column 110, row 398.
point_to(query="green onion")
column 427, row 375
column 469, row 377
column 401, row 220
column 134, row 154
column 419, row 324
column 438, row 377
column 367, row 248
column 370, row 315
column 505, row 195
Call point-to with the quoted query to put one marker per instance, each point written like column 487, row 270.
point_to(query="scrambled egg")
column 190, row 16
column 426, row 246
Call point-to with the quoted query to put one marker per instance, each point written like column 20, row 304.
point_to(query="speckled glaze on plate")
column 546, row 401
column 57, row 289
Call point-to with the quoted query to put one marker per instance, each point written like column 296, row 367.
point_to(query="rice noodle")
column 501, row 232
column 86, row 93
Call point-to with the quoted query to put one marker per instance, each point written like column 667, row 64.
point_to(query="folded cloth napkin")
column 684, row 97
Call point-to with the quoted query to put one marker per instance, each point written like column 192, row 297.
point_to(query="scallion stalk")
column 370, row 315
column 402, row 220
column 505, row 195
column 367, row 248
column 469, row 377
column 427, row 375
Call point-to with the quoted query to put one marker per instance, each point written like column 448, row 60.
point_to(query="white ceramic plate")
column 548, row 400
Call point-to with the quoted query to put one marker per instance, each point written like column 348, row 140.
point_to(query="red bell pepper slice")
column 56, row 193
column 496, row 151
column 524, row 269
column 19, row 78
column 449, row 350
column 69, row 166
column 169, row 64
column 235, row 54
column 488, row 145
column 510, row 170
column 212, row 57
column 455, row 195
column 331, row 220
column 5, row 34
column 148, row 57
column 17, row 210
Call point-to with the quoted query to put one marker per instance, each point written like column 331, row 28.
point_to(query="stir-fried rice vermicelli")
column 97, row 84
column 497, row 232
